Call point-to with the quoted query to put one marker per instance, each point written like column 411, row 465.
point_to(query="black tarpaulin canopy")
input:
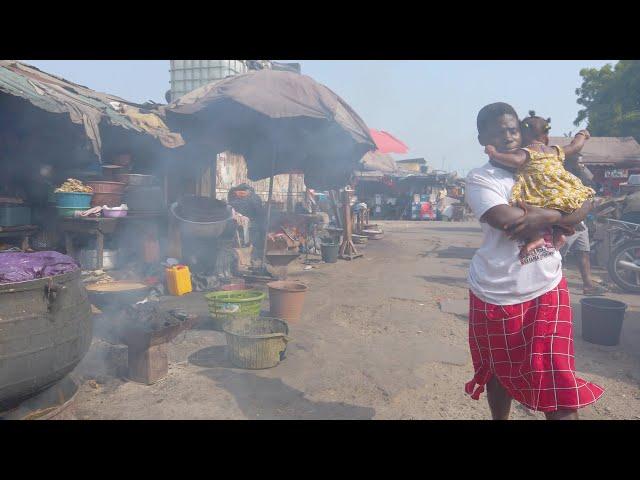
column 279, row 122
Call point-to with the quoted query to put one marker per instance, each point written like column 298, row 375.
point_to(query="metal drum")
column 45, row 330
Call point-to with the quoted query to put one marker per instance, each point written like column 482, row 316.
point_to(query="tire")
column 613, row 260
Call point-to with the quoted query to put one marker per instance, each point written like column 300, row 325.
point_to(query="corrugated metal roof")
column 420, row 161
column 83, row 105
column 605, row 150
column 378, row 161
column 376, row 175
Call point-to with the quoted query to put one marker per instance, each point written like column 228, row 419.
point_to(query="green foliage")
column 611, row 100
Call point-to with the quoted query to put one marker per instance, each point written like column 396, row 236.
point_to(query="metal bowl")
column 201, row 229
column 116, row 295
column 89, row 259
column 135, row 179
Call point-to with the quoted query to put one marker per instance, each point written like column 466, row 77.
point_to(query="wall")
column 411, row 167
column 232, row 171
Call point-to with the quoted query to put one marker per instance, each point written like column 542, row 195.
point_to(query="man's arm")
column 489, row 201
column 535, row 219
column 521, row 222
column 513, row 159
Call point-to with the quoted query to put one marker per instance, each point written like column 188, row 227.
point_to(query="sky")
column 430, row 105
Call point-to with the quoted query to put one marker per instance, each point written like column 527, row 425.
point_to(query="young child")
column 542, row 180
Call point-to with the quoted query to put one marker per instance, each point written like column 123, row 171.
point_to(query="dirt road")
column 373, row 344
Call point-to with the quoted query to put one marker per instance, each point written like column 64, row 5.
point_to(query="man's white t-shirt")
column 497, row 274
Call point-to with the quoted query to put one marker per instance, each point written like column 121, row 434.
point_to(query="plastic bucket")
column 602, row 320
column 330, row 252
column 14, row 215
column 81, row 201
column 69, row 212
column 287, row 299
column 235, row 303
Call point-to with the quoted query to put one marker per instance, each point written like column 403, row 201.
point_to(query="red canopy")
column 387, row 143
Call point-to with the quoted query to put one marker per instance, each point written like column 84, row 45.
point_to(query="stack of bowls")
column 107, row 193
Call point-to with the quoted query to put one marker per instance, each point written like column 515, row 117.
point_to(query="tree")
column 611, row 100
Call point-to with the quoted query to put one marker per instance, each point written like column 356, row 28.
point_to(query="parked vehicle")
column 624, row 260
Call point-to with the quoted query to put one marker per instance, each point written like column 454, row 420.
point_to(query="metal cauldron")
column 201, row 229
column 45, row 330
column 88, row 259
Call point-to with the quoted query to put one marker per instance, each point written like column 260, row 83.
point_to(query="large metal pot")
column 89, row 259
column 107, row 187
column 135, row 179
column 201, row 229
column 144, row 199
column 45, row 330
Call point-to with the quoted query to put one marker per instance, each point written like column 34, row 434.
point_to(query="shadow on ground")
column 211, row 357
column 462, row 253
column 262, row 398
column 205, row 322
column 461, row 229
column 451, row 281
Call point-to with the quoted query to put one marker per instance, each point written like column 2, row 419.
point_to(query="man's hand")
column 532, row 222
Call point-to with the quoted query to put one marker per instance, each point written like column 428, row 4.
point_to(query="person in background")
column 310, row 200
column 244, row 200
column 579, row 243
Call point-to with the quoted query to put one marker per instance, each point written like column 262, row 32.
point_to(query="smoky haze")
column 430, row 105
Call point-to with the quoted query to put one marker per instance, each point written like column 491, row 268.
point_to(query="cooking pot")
column 46, row 331
column 135, row 179
column 144, row 199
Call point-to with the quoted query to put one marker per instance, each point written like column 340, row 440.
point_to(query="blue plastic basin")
column 73, row 200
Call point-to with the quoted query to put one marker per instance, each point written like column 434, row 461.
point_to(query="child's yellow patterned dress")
column 544, row 182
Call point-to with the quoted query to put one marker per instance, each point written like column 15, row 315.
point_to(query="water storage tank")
column 187, row 75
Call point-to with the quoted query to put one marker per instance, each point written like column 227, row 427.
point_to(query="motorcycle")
column 624, row 259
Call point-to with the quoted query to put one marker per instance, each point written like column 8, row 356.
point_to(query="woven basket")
column 256, row 343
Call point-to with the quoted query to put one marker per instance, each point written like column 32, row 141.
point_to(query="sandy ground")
column 373, row 344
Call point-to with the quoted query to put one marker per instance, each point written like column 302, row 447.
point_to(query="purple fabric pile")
column 20, row 267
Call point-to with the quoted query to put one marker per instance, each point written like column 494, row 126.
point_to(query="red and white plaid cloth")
column 529, row 347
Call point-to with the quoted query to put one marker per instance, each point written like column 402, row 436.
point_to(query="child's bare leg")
column 532, row 244
column 559, row 237
column 565, row 230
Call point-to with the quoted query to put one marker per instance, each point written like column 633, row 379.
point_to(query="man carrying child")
column 520, row 319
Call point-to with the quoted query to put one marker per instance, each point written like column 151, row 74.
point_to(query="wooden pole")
column 348, row 250
column 268, row 221
column 290, row 202
column 213, row 176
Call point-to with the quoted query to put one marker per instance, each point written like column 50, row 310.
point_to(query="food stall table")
column 306, row 222
column 145, row 227
column 97, row 226
column 22, row 231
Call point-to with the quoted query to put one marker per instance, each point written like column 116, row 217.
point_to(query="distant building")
column 610, row 159
column 418, row 165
